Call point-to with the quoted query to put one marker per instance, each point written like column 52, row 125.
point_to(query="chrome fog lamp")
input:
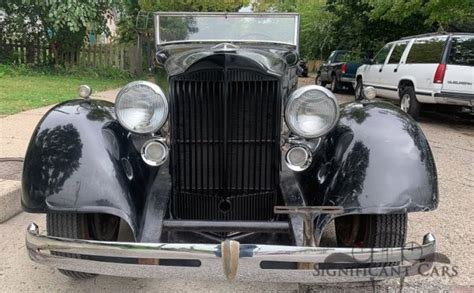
column 298, row 158
column 154, row 152
column 311, row 111
column 85, row 91
column 141, row 107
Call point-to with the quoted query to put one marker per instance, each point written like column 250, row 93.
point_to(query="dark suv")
column 337, row 71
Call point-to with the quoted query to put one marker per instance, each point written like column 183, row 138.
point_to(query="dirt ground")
column 452, row 143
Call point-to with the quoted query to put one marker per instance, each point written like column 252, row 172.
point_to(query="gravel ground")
column 452, row 142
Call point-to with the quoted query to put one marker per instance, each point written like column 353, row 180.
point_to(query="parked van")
column 424, row 69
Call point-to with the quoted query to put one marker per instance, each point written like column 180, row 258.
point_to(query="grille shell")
column 225, row 144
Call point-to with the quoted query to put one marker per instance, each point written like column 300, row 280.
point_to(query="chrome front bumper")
column 227, row 260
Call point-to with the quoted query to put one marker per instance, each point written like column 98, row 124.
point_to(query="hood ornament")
column 225, row 47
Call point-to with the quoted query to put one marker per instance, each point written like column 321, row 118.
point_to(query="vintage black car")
column 227, row 170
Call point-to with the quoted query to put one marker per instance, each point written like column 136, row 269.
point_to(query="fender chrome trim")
column 228, row 260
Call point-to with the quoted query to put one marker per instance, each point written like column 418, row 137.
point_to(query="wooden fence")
column 124, row 57
column 20, row 52
column 313, row 65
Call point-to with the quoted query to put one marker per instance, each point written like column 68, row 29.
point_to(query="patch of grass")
column 23, row 88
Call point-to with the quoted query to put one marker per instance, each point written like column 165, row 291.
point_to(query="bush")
column 80, row 71
column 8, row 57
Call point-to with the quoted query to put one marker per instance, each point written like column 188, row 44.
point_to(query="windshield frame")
column 296, row 16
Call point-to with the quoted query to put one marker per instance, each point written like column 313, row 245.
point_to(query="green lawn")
column 24, row 92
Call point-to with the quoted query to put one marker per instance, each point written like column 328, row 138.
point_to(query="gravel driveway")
column 452, row 142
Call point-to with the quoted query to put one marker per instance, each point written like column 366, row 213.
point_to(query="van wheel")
column 81, row 226
column 409, row 103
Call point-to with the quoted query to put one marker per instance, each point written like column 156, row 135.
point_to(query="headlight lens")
column 141, row 107
column 311, row 111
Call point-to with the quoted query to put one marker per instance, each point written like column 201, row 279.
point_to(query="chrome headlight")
column 141, row 107
column 311, row 111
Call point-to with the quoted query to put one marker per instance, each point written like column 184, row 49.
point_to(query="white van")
column 423, row 69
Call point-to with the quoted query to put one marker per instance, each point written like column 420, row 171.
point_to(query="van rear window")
column 427, row 50
column 462, row 51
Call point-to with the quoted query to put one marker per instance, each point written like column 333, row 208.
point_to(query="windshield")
column 230, row 27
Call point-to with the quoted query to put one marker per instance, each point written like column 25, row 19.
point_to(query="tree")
column 361, row 26
column 366, row 25
column 195, row 5
column 144, row 8
column 316, row 23
column 444, row 14
column 64, row 23
column 126, row 26
column 355, row 30
column 316, row 28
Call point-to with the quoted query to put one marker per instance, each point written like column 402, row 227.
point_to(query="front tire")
column 409, row 103
column 371, row 231
column 81, row 226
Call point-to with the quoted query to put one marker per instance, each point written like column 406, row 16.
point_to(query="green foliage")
column 137, row 13
column 62, row 22
column 194, row 5
column 71, row 71
column 441, row 13
column 356, row 31
column 161, row 78
column 275, row 6
column 360, row 26
column 317, row 29
column 7, row 70
column 107, row 72
column 365, row 26
column 126, row 26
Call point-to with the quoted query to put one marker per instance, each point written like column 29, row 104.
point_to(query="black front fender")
column 79, row 160
column 376, row 160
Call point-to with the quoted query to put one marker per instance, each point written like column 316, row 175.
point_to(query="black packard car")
column 228, row 170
